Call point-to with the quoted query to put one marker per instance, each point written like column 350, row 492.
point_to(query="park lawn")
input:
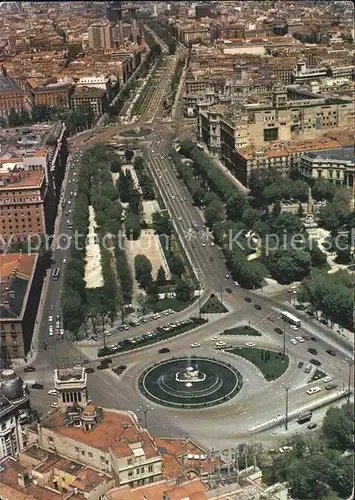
column 175, row 304
column 271, row 364
column 213, row 306
column 242, row 330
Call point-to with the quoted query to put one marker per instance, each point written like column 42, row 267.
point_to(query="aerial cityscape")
column 177, row 213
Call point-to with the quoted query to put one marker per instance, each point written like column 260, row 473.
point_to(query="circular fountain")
column 190, row 382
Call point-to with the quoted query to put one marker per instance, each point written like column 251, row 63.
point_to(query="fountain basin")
column 178, row 383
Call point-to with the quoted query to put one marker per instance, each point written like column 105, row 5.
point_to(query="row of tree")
column 318, row 465
column 95, row 188
column 329, row 294
column 163, row 33
column 145, row 179
column 75, row 120
column 235, row 221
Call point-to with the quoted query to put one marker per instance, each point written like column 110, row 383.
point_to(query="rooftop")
column 15, row 274
column 116, row 431
column 8, row 84
column 10, row 488
column 341, row 154
column 15, row 179
column 189, row 490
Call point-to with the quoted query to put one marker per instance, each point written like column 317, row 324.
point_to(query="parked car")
column 313, row 390
column 312, row 425
column 163, row 350
column 327, row 379
column 300, row 364
column 258, row 307
column 330, row 386
column 29, row 369
column 89, row 370
column 250, row 344
column 37, row 385
column 300, row 339
column 195, row 344
column 293, row 341
column 331, row 352
column 228, row 290
column 315, row 362
column 294, row 327
column 278, row 330
column 247, row 299
column 53, row 392
column 313, row 351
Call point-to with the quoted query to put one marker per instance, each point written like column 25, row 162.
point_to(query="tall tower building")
column 100, row 36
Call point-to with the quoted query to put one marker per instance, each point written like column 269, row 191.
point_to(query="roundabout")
column 190, row 383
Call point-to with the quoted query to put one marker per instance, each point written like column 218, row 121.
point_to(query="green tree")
column 276, row 209
column 3, row 122
column 235, row 207
column 250, row 217
column 143, row 270
column 176, row 265
column 318, row 258
column 143, row 302
column 161, row 276
column 338, row 427
column 132, row 227
column 214, row 212
column 129, row 155
column 162, row 223
column 183, row 291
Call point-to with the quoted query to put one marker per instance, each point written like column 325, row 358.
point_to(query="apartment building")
column 90, row 100
column 12, row 96
column 20, row 288
column 14, row 413
column 100, row 36
column 51, row 95
column 27, row 205
column 110, row 441
column 39, row 474
column 287, row 114
column 336, row 165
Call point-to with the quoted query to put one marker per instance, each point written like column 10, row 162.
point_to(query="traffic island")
column 190, row 383
column 271, row 364
column 242, row 330
column 213, row 306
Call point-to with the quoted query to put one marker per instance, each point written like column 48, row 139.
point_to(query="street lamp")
column 350, row 362
column 144, row 409
column 287, row 387
column 284, row 344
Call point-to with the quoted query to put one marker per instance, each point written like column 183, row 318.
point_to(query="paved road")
column 258, row 400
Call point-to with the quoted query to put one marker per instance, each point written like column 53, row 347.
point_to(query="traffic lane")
column 188, row 213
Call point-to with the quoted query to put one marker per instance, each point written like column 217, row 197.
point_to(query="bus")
column 286, row 316
column 55, row 274
column 304, row 417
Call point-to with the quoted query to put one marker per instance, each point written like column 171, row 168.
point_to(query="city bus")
column 286, row 316
column 56, row 273
column 304, row 417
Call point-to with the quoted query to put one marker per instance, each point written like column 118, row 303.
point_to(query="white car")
column 62, row 331
column 300, row 339
column 294, row 327
column 173, row 197
column 293, row 341
column 327, row 379
column 195, row 344
column 107, row 334
column 236, row 283
column 215, row 339
column 50, row 319
column 220, row 343
column 179, row 219
column 203, row 244
column 250, row 344
column 64, row 261
column 313, row 390
column 54, row 405
column 53, row 392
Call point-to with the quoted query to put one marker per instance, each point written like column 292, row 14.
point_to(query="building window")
column 150, row 468
column 90, row 454
column 137, row 471
column 142, row 470
column 50, row 440
column 129, row 461
column 130, row 474
column 77, row 450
